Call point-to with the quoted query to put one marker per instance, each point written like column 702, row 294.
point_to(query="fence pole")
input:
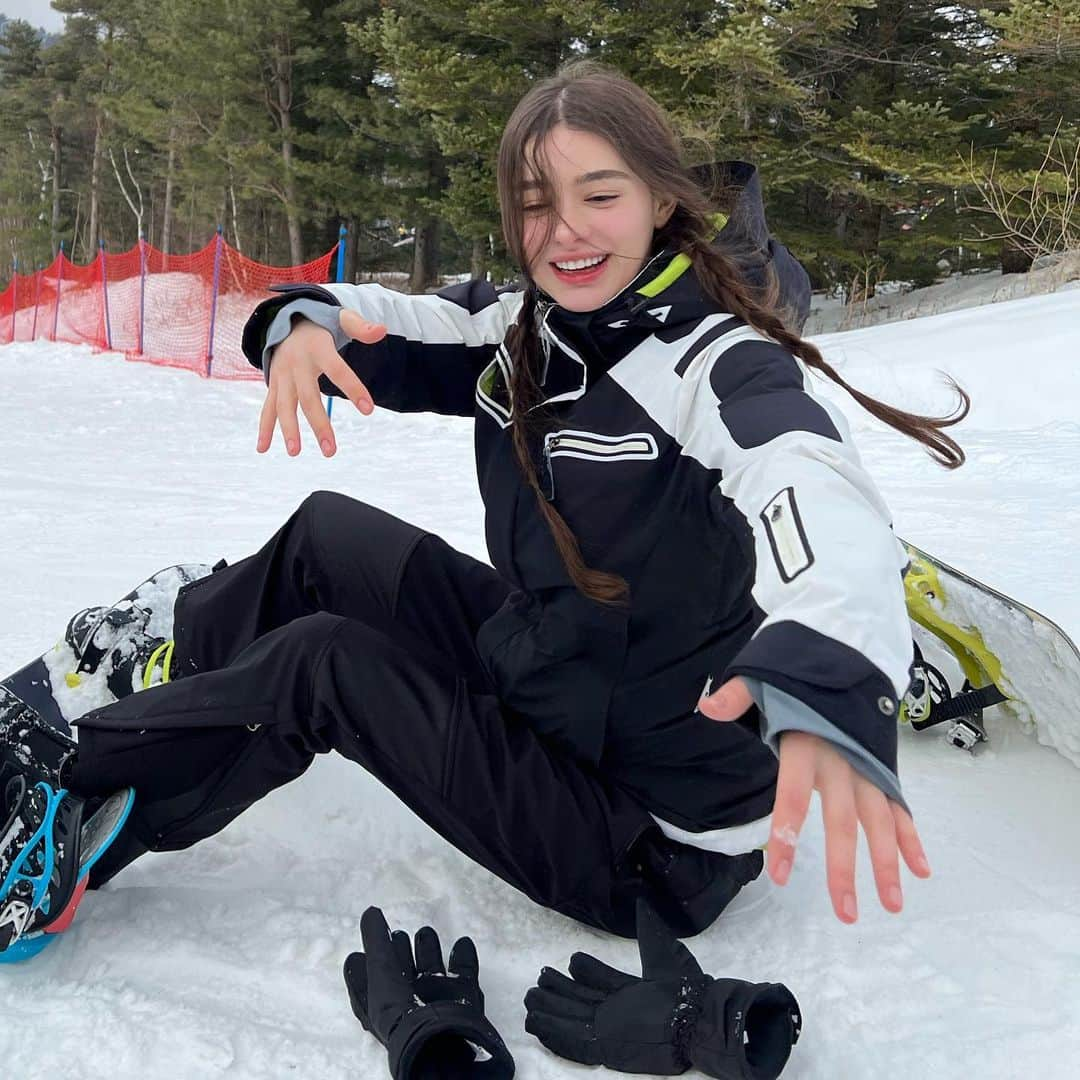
column 37, row 300
column 213, row 304
column 14, row 296
column 59, row 283
column 105, row 294
column 342, row 239
column 142, row 289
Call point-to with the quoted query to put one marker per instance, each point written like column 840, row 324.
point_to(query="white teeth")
column 580, row 264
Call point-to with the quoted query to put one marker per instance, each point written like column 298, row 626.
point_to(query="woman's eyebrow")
column 587, row 178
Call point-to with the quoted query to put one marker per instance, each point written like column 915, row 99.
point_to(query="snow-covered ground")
column 225, row 960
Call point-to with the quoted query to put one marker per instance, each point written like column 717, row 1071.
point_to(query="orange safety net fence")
column 181, row 310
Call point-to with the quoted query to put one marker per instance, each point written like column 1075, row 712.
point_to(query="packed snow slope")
column 225, row 960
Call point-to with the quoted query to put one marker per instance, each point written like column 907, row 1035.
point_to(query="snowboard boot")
column 49, row 837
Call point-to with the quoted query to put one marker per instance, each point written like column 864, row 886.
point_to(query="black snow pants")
column 354, row 631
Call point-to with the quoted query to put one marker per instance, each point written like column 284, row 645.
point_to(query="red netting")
column 181, row 310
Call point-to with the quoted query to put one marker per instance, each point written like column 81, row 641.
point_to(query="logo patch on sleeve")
column 787, row 538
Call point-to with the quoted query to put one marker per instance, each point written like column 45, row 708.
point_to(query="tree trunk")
column 425, row 256
column 353, row 243
column 283, row 66
column 477, row 257
column 95, row 178
column 167, row 212
column 54, row 226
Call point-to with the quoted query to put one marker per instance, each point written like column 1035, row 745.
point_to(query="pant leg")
column 201, row 753
column 338, row 555
column 403, row 694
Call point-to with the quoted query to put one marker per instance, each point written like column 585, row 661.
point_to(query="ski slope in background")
column 225, row 959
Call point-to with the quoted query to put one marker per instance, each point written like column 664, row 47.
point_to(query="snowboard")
column 70, row 680
column 978, row 650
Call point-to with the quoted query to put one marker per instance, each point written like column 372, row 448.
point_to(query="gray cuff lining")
column 781, row 712
column 316, row 311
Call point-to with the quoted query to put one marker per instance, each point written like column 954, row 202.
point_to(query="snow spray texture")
column 673, row 1018
column 429, row 1017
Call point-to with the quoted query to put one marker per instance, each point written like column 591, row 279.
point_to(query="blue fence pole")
column 213, row 304
column 105, row 293
column 142, row 290
column 59, row 283
column 342, row 238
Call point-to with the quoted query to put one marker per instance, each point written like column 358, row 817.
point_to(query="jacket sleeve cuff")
column 832, row 679
column 316, row 311
column 266, row 317
column 781, row 712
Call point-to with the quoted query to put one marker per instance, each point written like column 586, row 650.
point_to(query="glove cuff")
column 745, row 1030
column 470, row 1041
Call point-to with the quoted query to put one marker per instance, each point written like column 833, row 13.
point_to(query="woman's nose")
column 567, row 227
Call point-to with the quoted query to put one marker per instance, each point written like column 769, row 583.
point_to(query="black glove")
column 672, row 1018
column 432, row 1023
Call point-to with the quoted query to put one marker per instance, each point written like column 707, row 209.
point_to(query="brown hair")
column 588, row 96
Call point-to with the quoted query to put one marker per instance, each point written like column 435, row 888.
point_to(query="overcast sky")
column 35, row 12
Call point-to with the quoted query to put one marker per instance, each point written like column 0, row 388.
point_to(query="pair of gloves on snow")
column 674, row 1017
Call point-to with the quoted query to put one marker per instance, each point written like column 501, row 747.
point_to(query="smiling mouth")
column 591, row 268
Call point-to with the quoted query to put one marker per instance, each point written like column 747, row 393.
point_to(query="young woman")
column 682, row 536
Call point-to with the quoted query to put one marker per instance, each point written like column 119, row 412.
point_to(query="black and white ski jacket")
column 689, row 455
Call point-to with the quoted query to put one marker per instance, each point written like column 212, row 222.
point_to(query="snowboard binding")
column 930, row 702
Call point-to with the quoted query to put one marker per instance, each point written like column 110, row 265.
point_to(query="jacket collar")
column 580, row 346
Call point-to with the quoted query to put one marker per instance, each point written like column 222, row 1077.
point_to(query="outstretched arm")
column 830, row 660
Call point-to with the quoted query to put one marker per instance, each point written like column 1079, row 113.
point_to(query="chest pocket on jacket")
column 589, row 446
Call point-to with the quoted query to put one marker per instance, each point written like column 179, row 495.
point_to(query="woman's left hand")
column 847, row 799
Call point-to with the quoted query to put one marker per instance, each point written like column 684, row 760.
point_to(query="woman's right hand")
column 296, row 364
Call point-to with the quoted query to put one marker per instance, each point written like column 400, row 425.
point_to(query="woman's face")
column 602, row 212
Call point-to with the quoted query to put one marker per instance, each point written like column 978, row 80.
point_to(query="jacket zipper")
column 598, row 449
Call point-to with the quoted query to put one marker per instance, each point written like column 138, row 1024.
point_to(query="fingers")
column 429, row 960
column 662, row 954
column 360, row 329
column 312, row 403
column 463, row 959
column 588, row 970
column 571, row 1039
column 558, row 983
column 729, row 702
column 841, row 834
column 555, row 1004
column 908, row 838
column 877, row 821
column 403, row 950
column 348, row 382
column 267, row 420
column 794, row 786
column 286, row 417
column 378, row 945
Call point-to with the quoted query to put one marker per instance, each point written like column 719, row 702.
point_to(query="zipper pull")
column 548, row 487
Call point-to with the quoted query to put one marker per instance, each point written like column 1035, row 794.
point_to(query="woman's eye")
column 533, row 207
column 602, row 198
